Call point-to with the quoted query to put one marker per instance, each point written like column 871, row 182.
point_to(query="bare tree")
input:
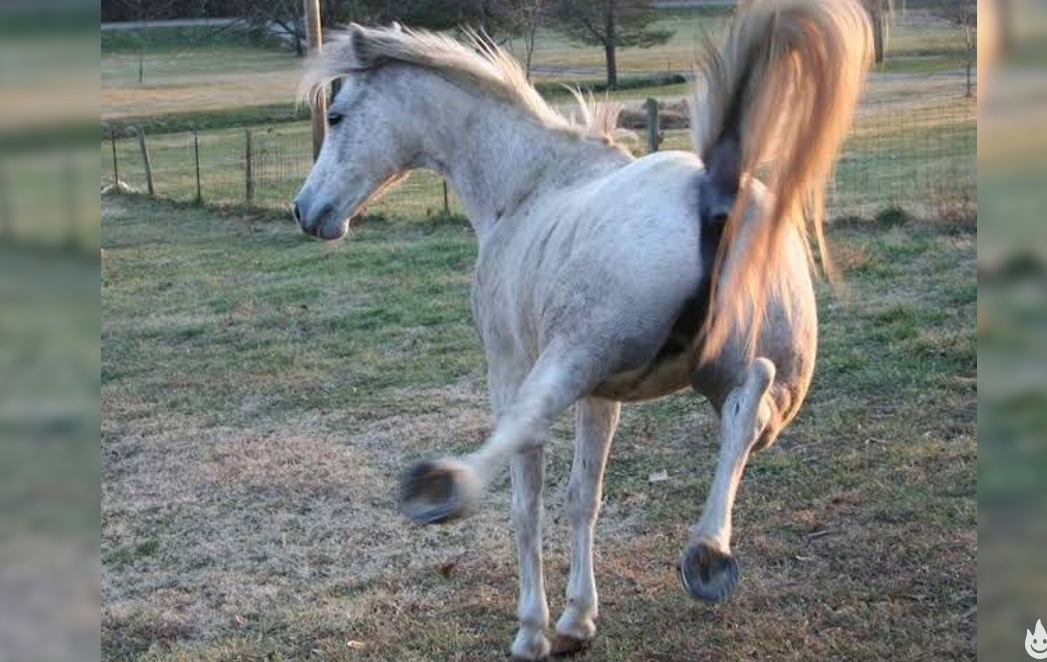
column 964, row 15
column 281, row 16
column 142, row 11
column 532, row 17
column 608, row 23
column 879, row 15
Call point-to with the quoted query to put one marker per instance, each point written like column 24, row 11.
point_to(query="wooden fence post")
column 248, row 171
column 313, row 34
column 652, row 124
column 116, row 168
column 145, row 162
column 196, row 158
column 70, row 198
column 447, row 204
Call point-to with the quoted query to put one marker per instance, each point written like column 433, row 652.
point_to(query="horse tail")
column 775, row 101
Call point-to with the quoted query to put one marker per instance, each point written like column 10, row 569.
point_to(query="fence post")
column 73, row 209
column 652, row 124
column 314, row 38
column 196, row 158
column 248, row 172
column 116, row 168
column 447, row 204
column 145, row 162
column 6, row 217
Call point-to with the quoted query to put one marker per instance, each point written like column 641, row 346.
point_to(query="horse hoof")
column 708, row 574
column 437, row 491
column 563, row 644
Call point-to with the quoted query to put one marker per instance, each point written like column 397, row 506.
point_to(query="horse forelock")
column 478, row 65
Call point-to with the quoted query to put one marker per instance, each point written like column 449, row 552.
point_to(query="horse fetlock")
column 708, row 571
column 530, row 645
column 575, row 628
column 438, row 491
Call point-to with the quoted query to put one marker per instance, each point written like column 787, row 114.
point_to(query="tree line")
column 609, row 24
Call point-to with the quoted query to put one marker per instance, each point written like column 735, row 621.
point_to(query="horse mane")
column 477, row 65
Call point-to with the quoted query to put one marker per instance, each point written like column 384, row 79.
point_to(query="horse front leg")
column 596, row 420
column 435, row 491
column 441, row 490
column 527, row 471
column 707, row 569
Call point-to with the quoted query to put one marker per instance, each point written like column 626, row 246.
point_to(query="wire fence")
column 919, row 156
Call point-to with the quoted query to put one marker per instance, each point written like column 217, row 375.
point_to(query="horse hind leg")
column 748, row 417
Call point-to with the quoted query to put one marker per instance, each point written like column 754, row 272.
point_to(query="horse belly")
column 654, row 380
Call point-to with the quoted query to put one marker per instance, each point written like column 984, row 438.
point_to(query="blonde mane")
column 476, row 65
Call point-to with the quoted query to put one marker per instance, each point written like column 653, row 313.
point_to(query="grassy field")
column 189, row 73
column 261, row 393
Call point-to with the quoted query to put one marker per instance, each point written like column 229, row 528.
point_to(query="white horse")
column 603, row 278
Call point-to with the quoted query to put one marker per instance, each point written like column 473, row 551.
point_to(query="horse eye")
column 333, row 119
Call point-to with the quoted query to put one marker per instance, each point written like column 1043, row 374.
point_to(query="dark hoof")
column 434, row 492
column 563, row 644
column 708, row 574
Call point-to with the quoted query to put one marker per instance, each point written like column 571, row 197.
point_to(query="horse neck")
column 497, row 155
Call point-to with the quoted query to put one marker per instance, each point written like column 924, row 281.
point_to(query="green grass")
column 178, row 39
column 261, row 393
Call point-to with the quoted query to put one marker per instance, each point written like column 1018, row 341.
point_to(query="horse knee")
column 581, row 505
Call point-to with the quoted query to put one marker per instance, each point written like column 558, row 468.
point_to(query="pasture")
column 193, row 71
column 261, row 393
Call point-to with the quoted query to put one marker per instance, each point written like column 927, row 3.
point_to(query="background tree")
column 141, row 11
column 281, row 18
column 612, row 24
column 964, row 15
column 879, row 15
column 532, row 17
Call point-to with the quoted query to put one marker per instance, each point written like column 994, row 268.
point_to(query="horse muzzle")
column 322, row 224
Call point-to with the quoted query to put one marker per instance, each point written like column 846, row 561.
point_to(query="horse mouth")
column 328, row 229
column 331, row 230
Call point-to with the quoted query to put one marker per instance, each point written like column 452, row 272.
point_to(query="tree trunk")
column 141, row 42
column 971, row 54
column 876, row 14
column 609, row 44
column 529, row 43
column 1005, row 24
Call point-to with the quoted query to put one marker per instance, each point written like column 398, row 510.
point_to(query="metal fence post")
column 145, row 162
column 248, row 172
column 196, row 159
column 652, row 124
column 116, row 168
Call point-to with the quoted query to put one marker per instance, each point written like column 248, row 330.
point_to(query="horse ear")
column 359, row 42
column 397, row 27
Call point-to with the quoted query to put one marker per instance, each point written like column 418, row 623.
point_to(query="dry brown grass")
column 261, row 394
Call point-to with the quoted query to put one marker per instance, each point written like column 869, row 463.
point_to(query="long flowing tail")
column 775, row 101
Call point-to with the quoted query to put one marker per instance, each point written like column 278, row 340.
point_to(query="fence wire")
column 919, row 156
